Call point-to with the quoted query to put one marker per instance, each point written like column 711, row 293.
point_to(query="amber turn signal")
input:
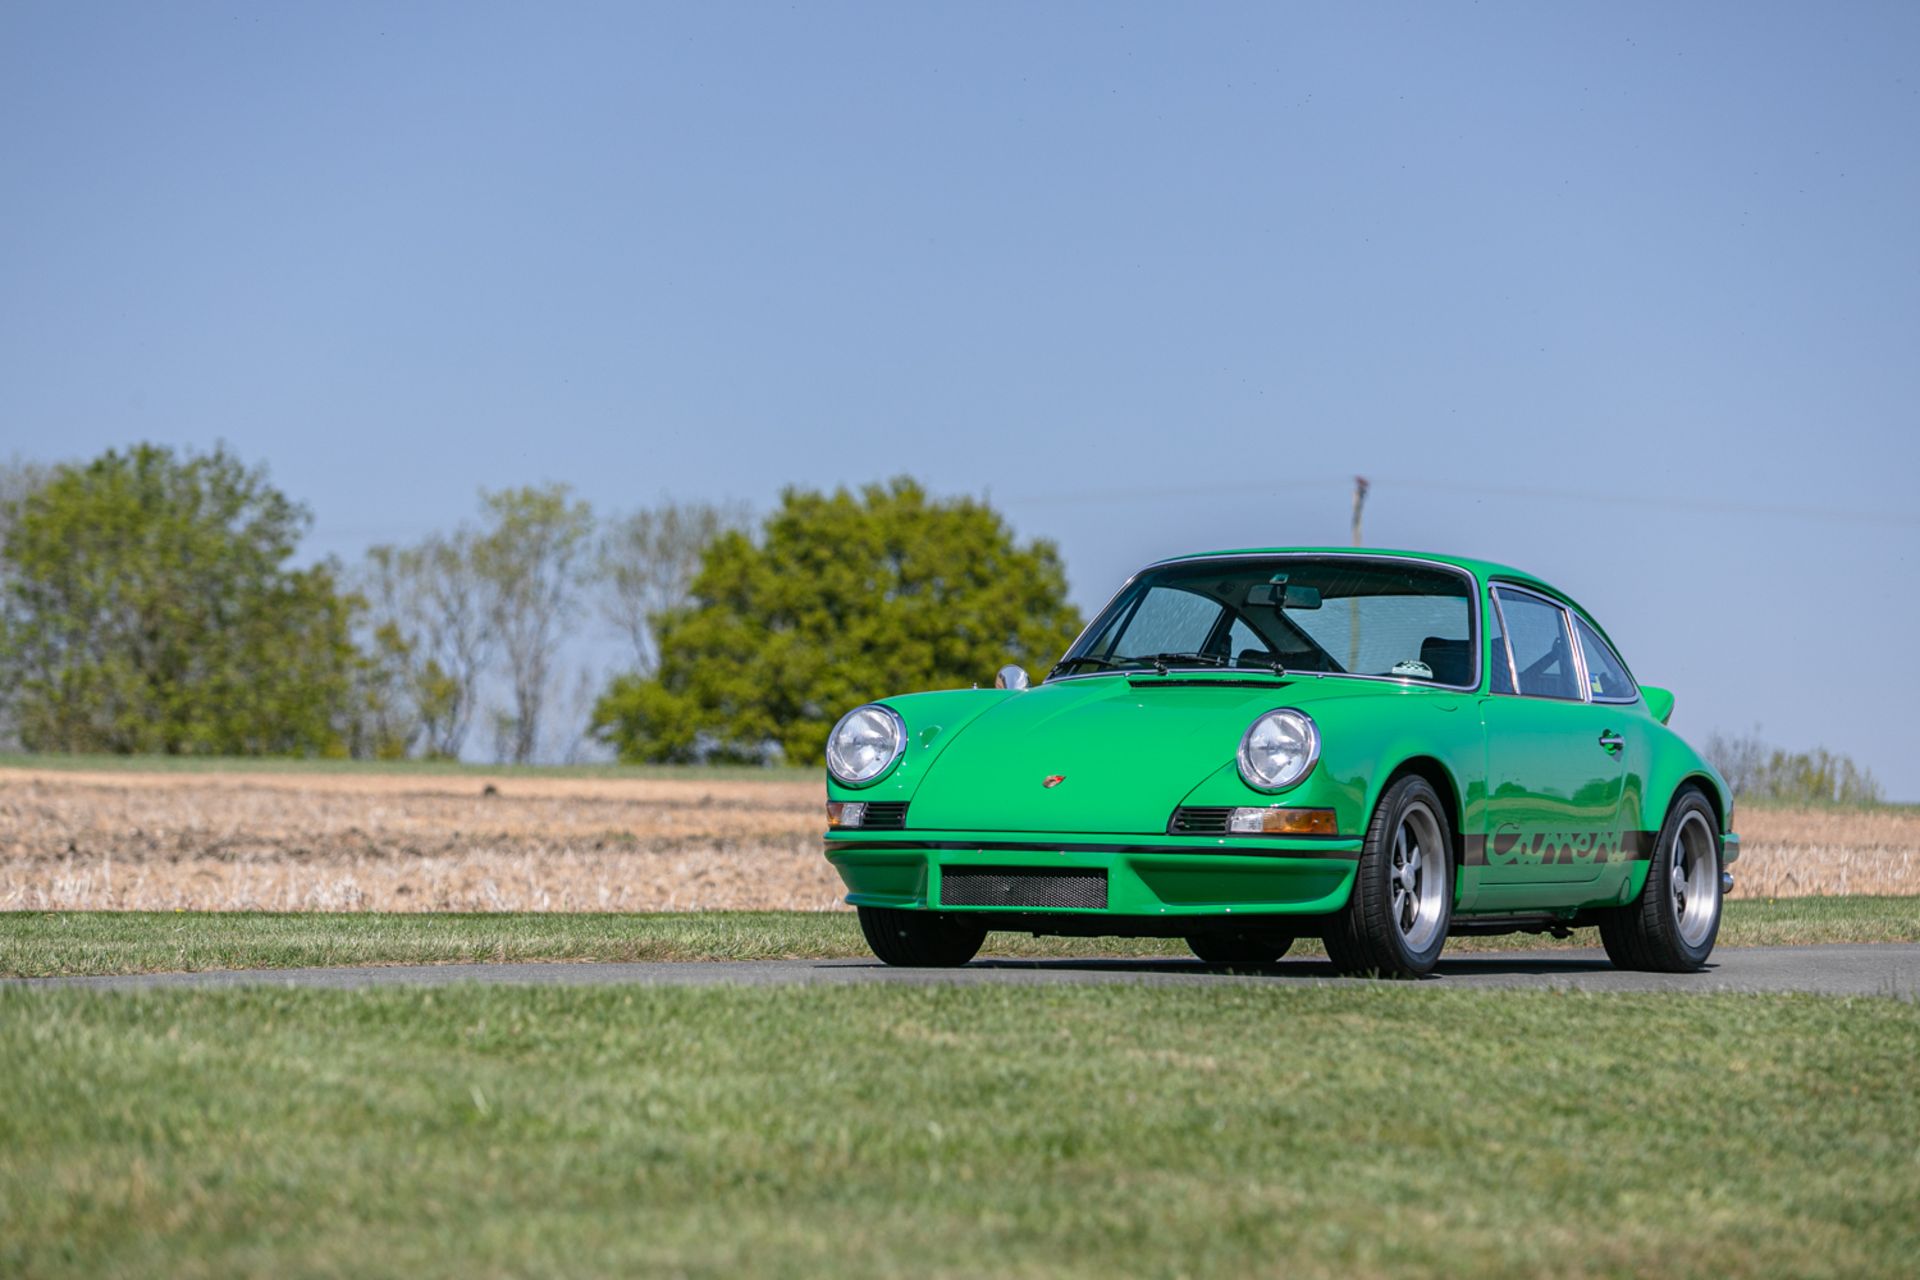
column 1283, row 822
column 846, row 813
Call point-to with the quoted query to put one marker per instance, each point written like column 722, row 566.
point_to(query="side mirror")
column 1659, row 702
column 1011, row 677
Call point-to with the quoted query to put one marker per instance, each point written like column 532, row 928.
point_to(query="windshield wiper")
column 1160, row 660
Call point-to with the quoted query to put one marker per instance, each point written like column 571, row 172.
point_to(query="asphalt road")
column 1884, row 969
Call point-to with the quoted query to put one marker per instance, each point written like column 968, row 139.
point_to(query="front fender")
column 933, row 721
column 1364, row 741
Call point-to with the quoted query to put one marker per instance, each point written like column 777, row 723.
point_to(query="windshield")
column 1331, row 614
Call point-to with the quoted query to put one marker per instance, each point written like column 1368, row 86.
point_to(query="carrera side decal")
column 1509, row 846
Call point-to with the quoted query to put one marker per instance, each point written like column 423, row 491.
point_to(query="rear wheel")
column 1239, row 948
column 1672, row 927
column 1395, row 922
column 920, row 939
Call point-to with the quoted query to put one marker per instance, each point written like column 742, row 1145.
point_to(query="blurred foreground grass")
column 880, row 1131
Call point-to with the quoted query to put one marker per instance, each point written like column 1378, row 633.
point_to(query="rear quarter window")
column 1607, row 677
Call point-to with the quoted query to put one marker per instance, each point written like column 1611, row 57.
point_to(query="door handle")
column 1611, row 740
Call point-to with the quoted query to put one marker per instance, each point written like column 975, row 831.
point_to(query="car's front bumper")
column 1143, row 876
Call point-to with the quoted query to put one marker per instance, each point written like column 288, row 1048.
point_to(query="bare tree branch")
column 432, row 595
column 528, row 559
column 646, row 563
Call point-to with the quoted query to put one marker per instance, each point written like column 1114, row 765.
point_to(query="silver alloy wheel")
column 1419, row 877
column 1693, row 877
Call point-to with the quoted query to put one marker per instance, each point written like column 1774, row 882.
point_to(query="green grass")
column 35, row 943
column 1093, row 1131
column 424, row 768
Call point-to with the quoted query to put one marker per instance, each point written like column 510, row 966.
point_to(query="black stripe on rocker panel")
column 1558, row 848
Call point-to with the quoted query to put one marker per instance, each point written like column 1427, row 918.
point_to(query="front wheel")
column 1395, row 922
column 1239, row 948
column 920, row 939
column 1672, row 927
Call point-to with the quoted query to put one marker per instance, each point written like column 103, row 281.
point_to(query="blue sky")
column 1628, row 295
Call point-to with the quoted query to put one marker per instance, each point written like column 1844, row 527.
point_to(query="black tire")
column 1239, row 948
column 1381, row 932
column 1656, row 933
column 920, row 939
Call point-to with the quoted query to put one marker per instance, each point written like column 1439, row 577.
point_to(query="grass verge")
column 947, row 1132
column 41, row 944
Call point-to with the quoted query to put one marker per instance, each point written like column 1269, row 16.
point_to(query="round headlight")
column 1278, row 749
column 864, row 743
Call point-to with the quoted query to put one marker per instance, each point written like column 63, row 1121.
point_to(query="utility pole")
column 1353, row 602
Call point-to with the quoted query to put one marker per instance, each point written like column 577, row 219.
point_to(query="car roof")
column 1485, row 570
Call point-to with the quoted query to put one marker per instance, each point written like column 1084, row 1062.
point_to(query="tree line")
column 1758, row 771
column 150, row 603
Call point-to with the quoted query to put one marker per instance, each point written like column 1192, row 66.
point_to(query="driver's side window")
column 1542, row 650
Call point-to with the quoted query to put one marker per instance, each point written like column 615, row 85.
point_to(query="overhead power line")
column 1651, row 502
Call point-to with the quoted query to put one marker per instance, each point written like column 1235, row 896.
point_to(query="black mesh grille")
column 1193, row 820
column 888, row 816
column 1021, row 887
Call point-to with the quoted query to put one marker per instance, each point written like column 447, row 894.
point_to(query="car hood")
column 1126, row 751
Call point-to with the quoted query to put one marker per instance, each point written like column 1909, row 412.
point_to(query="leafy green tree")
column 149, row 606
column 844, row 598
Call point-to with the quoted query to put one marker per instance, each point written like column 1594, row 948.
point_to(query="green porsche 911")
column 1246, row 747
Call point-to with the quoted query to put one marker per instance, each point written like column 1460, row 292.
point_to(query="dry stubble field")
column 415, row 842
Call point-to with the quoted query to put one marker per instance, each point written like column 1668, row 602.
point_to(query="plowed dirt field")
column 463, row 842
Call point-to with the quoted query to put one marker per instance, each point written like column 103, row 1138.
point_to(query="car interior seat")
column 1447, row 659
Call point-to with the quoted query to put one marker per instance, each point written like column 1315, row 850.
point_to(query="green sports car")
column 1378, row 748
